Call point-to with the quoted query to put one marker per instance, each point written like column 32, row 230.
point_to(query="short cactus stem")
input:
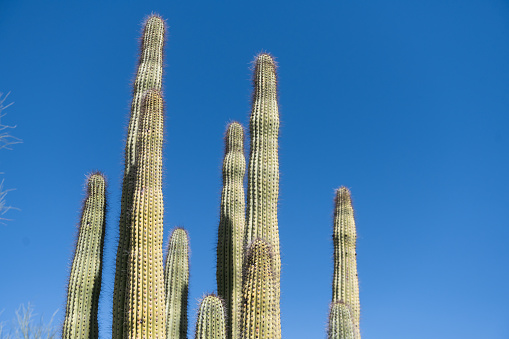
column 210, row 323
column 85, row 279
column 341, row 324
column 145, row 315
column 149, row 76
column 345, row 287
column 263, row 172
column 230, row 239
column 258, row 316
column 176, row 279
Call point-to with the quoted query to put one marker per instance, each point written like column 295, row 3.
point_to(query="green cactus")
column 85, row 279
column 258, row 310
column 341, row 324
column 149, row 76
column 230, row 239
column 176, row 279
column 210, row 323
column 145, row 299
column 345, row 286
column 263, row 173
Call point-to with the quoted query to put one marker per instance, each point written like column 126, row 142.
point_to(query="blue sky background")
column 405, row 102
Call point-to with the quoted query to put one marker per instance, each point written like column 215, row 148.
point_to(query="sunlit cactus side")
column 145, row 315
column 341, row 324
column 176, row 279
column 230, row 239
column 149, row 76
column 258, row 316
column 345, row 286
column 85, row 279
column 263, row 172
column 210, row 323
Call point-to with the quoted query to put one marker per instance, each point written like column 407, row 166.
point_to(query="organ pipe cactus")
column 345, row 286
column 85, row 279
column 263, row 173
column 149, row 76
column 259, row 317
column 145, row 315
column 341, row 324
column 231, row 227
column 210, row 323
column 176, row 279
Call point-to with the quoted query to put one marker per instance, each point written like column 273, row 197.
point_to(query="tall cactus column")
column 85, row 280
column 230, row 238
column 210, row 323
column 149, row 76
column 176, row 280
column 263, row 173
column 345, row 286
column 145, row 315
column 341, row 324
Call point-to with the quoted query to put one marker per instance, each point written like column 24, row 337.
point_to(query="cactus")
column 263, row 173
column 149, row 76
column 176, row 279
column 210, row 323
column 231, row 227
column 145, row 300
column 85, row 279
column 258, row 310
column 345, row 285
column 341, row 324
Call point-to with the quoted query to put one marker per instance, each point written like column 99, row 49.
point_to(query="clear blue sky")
column 405, row 102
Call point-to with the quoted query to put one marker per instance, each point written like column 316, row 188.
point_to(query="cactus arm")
column 263, row 172
column 230, row 239
column 149, row 76
column 345, row 285
column 210, row 323
column 85, row 279
column 176, row 279
column 341, row 324
column 145, row 315
column 258, row 316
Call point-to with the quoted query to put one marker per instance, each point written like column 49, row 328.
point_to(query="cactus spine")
column 176, row 279
column 210, row 323
column 263, row 173
column 145, row 300
column 341, row 324
column 149, row 76
column 345, row 285
column 258, row 293
column 230, row 240
column 85, row 279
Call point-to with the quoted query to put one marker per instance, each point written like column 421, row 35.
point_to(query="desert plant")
column 211, row 323
column 25, row 326
column 341, row 324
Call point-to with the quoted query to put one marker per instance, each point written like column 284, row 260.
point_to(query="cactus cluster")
column 150, row 299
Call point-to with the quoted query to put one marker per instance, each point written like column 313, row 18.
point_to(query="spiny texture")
column 145, row 315
column 258, row 316
column 263, row 173
column 210, row 323
column 149, row 76
column 176, row 279
column 85, row 280
column 341, row 324
column 345, row 285
column 230, row 239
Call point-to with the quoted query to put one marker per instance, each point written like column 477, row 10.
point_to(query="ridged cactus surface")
column 230, row 239
column 341, row 324
column 263, row 172
column 85, row 279
column 176, row 279
column 145, row 315
column 345, row 285
column 149, row 76
column 258, row 312
column 210, row 323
